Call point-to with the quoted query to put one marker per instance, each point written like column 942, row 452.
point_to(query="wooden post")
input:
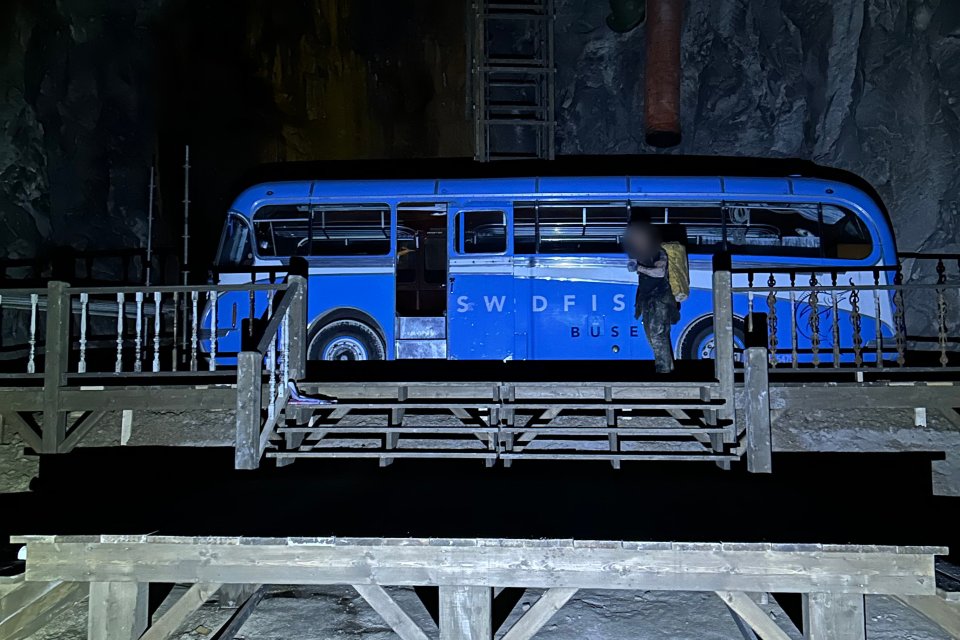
column 57, row 352
column 466, row 613
column 118, row 610
column 834, row 616
column 298, row 327
column 249, row 390
column 723, row 333
column 756, row 409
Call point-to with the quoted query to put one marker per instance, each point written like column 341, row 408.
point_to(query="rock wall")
column 93, row 90
column 869, row 86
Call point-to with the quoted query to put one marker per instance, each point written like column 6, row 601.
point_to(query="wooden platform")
column 833, row 578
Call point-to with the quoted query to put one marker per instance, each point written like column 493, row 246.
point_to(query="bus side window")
column 281, row 230
column 483, row 231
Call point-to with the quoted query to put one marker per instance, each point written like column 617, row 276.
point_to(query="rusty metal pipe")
column 662, row 101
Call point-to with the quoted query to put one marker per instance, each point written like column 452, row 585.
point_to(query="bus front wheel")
column 698, row 341
column 346, row 340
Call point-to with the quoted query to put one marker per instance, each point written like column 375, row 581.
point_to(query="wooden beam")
column 944, row 614
column 56, row 354
column 249, row 419
column 751, row 613
column 466, row 613
column 833, row 616
column 539, row 614
column 185, row 606
column 757, row 412
column 29, row 606
column 752, row 567
column 381, row 602
column 228, row 630
column 30, row 437
column 81, row 428
column 118, row 610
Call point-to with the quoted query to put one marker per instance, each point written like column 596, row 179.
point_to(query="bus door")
column 421, row 283
column 481, row 319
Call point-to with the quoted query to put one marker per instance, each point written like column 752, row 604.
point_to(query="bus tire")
column 345, row 339
column 698, row 343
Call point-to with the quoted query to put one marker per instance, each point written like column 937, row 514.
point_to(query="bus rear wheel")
column 698, row 342
column 346, row 340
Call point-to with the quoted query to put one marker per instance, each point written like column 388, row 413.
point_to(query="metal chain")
column 814, row 301
column 836, row 319
column 855, row 321
column 772, row 320
column 942, row 312
column 899, row 324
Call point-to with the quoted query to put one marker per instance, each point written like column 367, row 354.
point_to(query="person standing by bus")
column 655, row 303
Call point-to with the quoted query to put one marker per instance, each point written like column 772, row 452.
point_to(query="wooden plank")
column 249, row 419
column 723, row 335
column 56, row 355
column 535, row 564
column 751, row 613
column 539, row 614
column 118, row 610
column 190, row 602
column 834, row 616
column 31, row 605
column 81, row 429
column 466, row 612
column 944, row 614
column 149, row 397
column 381, row 602
column 231, row 627
column 757, row 412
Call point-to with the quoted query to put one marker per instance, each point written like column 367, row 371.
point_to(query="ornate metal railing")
column 838, row 319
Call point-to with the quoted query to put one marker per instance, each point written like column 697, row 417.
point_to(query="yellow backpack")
column 678, row 270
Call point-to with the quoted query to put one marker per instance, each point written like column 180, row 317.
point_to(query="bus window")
column 350, row 230
column 235, row 249
column 702, row 225
column 483, row 232
column 569, row 228
column 811, row 231
column 281, row 230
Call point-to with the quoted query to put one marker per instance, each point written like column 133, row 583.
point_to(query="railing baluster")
column 794, row 357
column 118, row 367
column 899, row 324
column 835, row 328
column 253, row 308
column 942, row 312
column 193, row 330
column 814, row 301
column 213, row 295
column 84, row 301
column 877, row 322
column 138, row 344
column 32, row 360
column 773, row 340
column 157, row 300
column 750, row 302
column 855, row 321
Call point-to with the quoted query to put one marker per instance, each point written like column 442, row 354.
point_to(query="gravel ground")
column 327, row 613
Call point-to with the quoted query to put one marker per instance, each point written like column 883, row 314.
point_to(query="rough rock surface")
column 90, row 90
column 869, row 86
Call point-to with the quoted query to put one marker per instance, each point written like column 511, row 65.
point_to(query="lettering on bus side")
column 569, row 302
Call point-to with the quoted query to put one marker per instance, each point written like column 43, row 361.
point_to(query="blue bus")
column 534, row 268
